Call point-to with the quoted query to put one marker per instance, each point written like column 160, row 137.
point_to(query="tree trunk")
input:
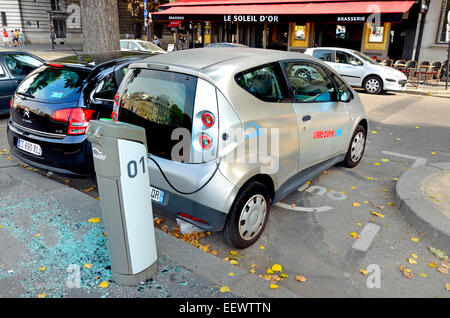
column 100, row 24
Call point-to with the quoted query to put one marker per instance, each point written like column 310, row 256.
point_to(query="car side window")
column 309, row 82
column 124, row 44
column 265, row 82
column 346, row 58
column 134, row 46
column 20, row 64
column 106, row 89
column 324, row 55
column 2, row 72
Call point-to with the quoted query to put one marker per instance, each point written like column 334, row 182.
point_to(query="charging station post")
column 120, row 161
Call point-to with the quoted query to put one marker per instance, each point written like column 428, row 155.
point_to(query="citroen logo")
column 26, row 113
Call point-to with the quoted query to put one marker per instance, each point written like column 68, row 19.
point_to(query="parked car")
column 360, row 70
column 14, row 67
column 225, row 44
column 142, row 46
column 225, row 99
column 52, row 107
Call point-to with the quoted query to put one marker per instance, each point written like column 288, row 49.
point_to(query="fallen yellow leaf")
column 37, row 235
column 354, row 235
column 356, row 204
column 359, row 224
column 300, row 278
column 277, row 268
column 378, row 214
column 233, row 262
column 230, row 274
column 414, row 239
column 94, row 220
column 269, row 271
column 433, row 265
column 88, row 265
column 414, row 255
column 447, row 286
column 225, row 289
column 284, row 275
column 443, row 270
column 43, row 268
column 395, row 179
column 273, row 286
column 423, row 275
column 261, row 247
column 42, row 295
column 233, row 252
column 214, row 252
column 385, row 160
column 412, row 260
column 364, row 272
column 252, row 271
column 103, row 284
column 376, row 164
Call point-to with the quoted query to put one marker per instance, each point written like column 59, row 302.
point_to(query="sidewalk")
column 45, row 51
column 430, row 89
column 47, row 232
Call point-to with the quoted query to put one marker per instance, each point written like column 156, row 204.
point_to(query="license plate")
column 30, row 147
column 157, row 195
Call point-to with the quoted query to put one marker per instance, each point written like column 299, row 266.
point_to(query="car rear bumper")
column 70, row 156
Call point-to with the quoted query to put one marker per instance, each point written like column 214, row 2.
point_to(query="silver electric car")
column 232, row 132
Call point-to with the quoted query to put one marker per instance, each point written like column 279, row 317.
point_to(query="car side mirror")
column 344, row 96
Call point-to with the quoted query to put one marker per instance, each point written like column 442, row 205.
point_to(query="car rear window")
column 160, row 102
column 55, row 84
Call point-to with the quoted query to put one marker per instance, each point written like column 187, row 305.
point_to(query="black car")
column 14, row 67
column 52, row 107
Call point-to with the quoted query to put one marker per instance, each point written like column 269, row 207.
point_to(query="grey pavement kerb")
column 417, row 210
column 207, row 266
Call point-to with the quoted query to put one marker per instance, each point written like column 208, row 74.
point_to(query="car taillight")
column 208, row 119
column 77, row 118
column 10, row 105
column 205, row 141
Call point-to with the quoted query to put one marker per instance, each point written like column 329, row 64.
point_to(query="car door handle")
column 306, row 118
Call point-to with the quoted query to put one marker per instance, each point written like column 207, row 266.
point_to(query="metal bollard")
column 120, row 161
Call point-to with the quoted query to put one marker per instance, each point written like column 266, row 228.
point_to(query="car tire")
column 356, row 148
column 373, row 84
column 248, row 216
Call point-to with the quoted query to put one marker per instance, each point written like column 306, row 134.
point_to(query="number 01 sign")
column 135, row 188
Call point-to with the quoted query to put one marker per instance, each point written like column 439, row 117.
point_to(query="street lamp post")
column 424, row 6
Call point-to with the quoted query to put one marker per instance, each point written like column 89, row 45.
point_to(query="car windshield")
column 364, row 57
column 150, row 46
column 54, row 85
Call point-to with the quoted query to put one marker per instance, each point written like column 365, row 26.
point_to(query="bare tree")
column 100, row 24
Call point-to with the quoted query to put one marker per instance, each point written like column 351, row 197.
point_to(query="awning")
column 174, row 24
column 283, row 11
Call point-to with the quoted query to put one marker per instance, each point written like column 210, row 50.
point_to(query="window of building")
column 4, row 21
column 264, row 82
column 309, row 82
column 60, row 28
column 56, row 5
column 443, row 22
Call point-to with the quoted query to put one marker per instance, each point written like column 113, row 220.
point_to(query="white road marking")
column 366, row 237
column 418, row 160
column 302, row 208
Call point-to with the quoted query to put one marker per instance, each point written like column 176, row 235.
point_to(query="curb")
column 417, row 210
column 427, row 93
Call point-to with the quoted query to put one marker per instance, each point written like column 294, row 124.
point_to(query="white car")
column 359, row 70
column 139, row 45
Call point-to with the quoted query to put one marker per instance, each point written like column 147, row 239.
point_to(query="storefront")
column 290, row 25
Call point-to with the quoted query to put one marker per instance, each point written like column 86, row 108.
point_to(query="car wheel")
column 248, row 216
column 373, row 85
column 356, row 148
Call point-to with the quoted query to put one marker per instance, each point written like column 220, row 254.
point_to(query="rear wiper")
column 25, row 94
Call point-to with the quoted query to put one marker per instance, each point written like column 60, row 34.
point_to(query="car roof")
column 6, row 51
column 332, row 48
column 93, row 60
column 206, row 59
